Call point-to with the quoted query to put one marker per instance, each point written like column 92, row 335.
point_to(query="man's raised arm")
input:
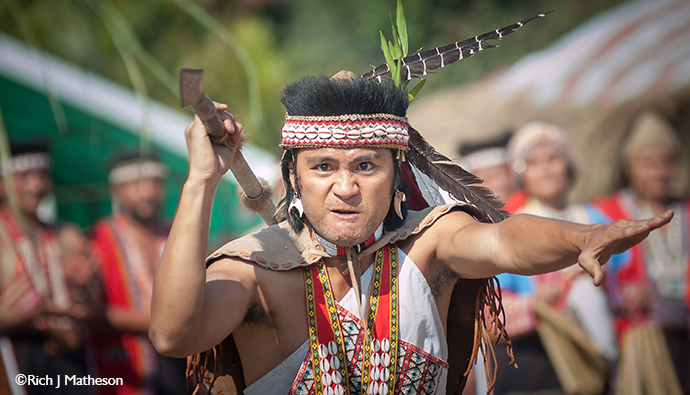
column 527, row 244
column 183, row 305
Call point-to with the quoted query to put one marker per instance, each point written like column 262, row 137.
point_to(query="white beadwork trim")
column 372, row 130
column 484, row 158
column 31, row 161
column 136, row 170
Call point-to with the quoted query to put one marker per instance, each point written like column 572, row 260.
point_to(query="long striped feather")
column 458, row 182
column 419, row 65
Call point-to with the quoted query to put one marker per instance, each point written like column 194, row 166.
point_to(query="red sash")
column 381, row 339
column 40, row 264
column 129, row 356
column 634, row 272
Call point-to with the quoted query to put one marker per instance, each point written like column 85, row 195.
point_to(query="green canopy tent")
column 87, row 119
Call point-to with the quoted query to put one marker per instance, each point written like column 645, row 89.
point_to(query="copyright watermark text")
column 57, row 381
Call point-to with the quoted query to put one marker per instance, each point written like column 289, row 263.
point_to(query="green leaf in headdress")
column 394, row 51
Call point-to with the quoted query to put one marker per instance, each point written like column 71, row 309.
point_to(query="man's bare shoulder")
column 230, row 268
column 434, row 225
column 452, row 220
column 248, row 273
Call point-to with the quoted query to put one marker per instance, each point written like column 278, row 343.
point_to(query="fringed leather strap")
column 490, row 322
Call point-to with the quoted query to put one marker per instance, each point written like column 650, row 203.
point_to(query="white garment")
column 591, row 308
column 585, row 300
column 420, row 325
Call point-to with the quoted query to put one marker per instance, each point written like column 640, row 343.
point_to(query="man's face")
column 546, row 175
column 31, row 187
column 346, row 193
column 651, row 173
column 141, row 199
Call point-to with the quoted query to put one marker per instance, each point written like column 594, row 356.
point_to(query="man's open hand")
column 605, row 240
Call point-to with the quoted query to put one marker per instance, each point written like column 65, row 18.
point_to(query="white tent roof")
column 641, row 48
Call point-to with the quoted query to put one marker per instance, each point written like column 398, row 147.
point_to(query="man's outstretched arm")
column 185, row 311
column 527, row 244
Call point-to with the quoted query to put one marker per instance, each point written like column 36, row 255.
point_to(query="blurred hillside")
column 250, row 49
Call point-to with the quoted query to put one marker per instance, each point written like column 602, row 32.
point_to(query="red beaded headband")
column 350, row 130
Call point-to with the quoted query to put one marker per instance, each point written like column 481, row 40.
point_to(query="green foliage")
column 394, row 51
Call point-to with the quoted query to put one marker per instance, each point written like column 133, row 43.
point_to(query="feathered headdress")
column 369, row 111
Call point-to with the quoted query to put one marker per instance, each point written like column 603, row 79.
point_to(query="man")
column 651, row 289
column 37, row 312
column 128, row 245
column 542, row 158
column 488, row 160
column 286, row 293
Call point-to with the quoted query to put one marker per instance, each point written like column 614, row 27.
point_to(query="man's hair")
column 18, row 147
column 127, row 155
column 323, row 96
column 287, row 165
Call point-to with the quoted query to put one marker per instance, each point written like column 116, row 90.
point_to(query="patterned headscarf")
column 534, row 134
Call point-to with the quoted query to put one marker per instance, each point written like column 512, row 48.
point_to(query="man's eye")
column 324, row 167
column 365, row 166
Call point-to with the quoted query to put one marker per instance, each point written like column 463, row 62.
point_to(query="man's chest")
column 415, row 312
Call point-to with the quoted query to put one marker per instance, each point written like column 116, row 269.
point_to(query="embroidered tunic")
column 290, row 251
column 422, row 366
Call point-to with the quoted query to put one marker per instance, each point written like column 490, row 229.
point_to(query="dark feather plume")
column 418, row 65
column 460, row 183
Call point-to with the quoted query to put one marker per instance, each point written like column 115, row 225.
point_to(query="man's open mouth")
column 344, row 212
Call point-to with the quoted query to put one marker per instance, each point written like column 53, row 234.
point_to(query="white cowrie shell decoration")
column 324, row 365
column 323, row 350
column 339, row 133
column 353, row 134
column 385, row 360
column 300, row 133
column 375, row 345
column 385, row 374
column 335, row 362
column 332, row 348
column 385, row 345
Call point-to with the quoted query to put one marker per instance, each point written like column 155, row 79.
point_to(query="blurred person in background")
column 37, row 311
column 649, row 291
column 128, row 245
column 538, row 308
column 488, row 160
